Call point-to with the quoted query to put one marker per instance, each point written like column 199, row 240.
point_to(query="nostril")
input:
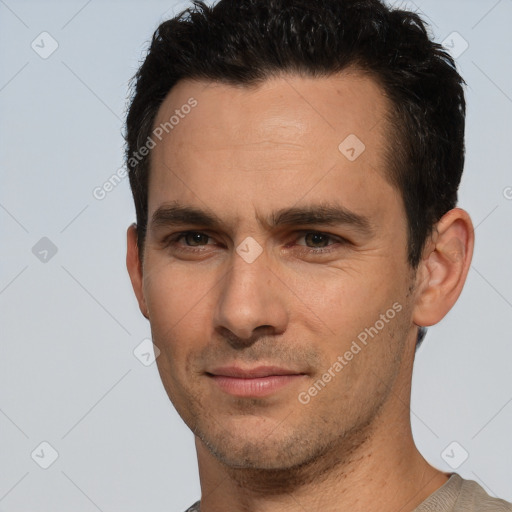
column 242, row 339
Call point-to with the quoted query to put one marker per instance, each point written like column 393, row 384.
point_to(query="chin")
column 274, row 449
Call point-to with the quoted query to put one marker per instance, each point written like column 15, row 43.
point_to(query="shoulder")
column 461, row 495
column 474, row 497
column 194, row 507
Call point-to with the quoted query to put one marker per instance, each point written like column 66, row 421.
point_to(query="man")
column 295, row 166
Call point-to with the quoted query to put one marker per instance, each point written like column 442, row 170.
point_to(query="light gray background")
column 68, row 375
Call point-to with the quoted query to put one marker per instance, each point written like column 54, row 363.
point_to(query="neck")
column 381, row 470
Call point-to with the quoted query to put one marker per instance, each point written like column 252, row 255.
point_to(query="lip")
column 252, row 373
column 254, row 382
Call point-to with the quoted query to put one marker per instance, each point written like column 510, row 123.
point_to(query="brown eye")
column 317, row 240
column 194, row 238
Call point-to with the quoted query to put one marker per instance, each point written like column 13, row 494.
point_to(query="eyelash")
column 174, row 239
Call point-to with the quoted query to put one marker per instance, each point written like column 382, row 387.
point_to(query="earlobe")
column 444, row 268
column 134, row 266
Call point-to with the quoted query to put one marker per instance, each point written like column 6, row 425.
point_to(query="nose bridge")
column 248, row 297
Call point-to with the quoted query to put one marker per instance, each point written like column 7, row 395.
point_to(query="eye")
column 317, row 240
column 193, row 238
column 189, row 242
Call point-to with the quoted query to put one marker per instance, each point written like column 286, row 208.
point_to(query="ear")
column 443, row 270
column 134, row 266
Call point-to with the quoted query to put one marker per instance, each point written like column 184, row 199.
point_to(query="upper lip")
column 252, row 373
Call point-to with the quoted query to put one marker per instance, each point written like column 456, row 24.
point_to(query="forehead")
column 286, row 108
column 287, row 139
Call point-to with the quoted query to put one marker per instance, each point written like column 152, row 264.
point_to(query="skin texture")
column 242, row 154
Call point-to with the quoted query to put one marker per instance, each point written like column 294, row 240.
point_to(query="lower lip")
column 255, row 387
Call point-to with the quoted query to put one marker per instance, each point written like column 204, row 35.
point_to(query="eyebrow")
column 326, row 214
column 175, row 214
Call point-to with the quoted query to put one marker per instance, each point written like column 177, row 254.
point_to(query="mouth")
column 254, row 382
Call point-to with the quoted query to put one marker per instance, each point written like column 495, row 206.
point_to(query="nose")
column 252, row 302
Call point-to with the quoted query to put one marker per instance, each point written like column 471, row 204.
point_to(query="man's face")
column 259, row 301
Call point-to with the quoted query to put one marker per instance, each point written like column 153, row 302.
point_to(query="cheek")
column 172, row 291
column 178, row 315
column 358, row 314
column 350, row 294
column 179, row 330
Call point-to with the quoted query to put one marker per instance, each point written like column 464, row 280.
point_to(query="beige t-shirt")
column 455, row 495
column 460, row 495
